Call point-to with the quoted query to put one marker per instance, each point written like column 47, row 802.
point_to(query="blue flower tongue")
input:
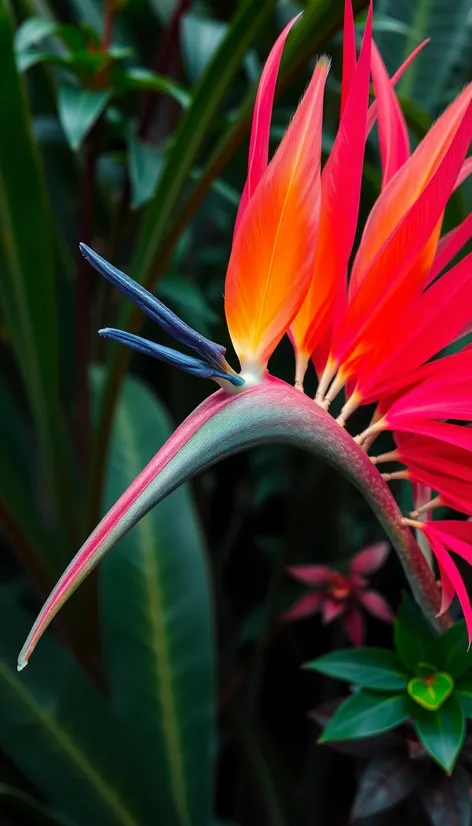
column 155, row 309
column 189, row 364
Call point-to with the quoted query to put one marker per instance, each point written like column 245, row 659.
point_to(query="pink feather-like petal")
column 427, row 325
column 443, row 391
column 440, row 544
column 310, row 574
column 393, row 132
column 447, row 590
column 387, row 275
column 349, row 53
column 466, row 170
column 449, row 245
column 340, row 195
column 452, row 434
column 373, row 109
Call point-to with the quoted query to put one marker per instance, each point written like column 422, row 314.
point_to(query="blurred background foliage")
column 168, row 691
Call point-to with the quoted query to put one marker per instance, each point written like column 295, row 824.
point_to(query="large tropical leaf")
column 57, row 729
column 445, row 22
column 194, row 126
column 17, row 493
column 157, row 623
column 27, row 293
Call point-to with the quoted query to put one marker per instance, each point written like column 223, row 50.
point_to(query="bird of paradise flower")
column 376, row 336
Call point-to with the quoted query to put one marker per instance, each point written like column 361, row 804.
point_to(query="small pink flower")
column 343, row 595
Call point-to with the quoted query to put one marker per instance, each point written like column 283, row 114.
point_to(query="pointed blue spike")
column 155, row 309
column 189, row 364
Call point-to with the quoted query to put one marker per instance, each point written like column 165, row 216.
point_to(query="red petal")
column 444, row 393
column 447, row 589
column 354, row 626
column 427, row 325
column 373, row 110
column 453, row 574
column 340, row 194
column 400, row 237
column 449, row 245
column 466, row 170
column 310, row 574
column 461, row 532
column 349, row 53
column 453, row 434
column 332, row 608
column 376, row 605
column 370, row 559
column 393, row 132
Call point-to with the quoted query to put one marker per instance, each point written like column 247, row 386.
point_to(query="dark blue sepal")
column 189, row 364
column 155, row 309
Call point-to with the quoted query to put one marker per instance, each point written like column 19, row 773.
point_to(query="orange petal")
column 272, row 256
column 340, row 194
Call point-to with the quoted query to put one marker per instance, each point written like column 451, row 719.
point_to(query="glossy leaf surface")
column 157, row 624
column 374, row 668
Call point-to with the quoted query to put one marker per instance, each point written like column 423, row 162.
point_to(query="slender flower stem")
column 397, row 474
column 391, row 456
column 277, row 412
column 437, row 502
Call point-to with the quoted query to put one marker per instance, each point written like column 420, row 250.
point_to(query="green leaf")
column 441, row 732
column 456, row 657
column 445, row 22
column 188, row 301
column 463, row 693
column 27, row 289
column 57, row 729
column 158, row 636
column 18, row 804
column 130, row 79
column 374, row 668
column 79, row 109
column 194, row 128
column 447, row 800
column 145, row 166
column 364, row 714
column 32, row 31
column 26, row 60
column 200, row 38
column 414, row 639
column 17, row 491
column 432, row 691
column 385, row 782
column 163, row 9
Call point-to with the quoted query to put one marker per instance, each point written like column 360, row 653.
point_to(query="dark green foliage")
column 435, row 700
column 168, row 693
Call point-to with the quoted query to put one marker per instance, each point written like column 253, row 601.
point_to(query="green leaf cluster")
column 426, row 680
